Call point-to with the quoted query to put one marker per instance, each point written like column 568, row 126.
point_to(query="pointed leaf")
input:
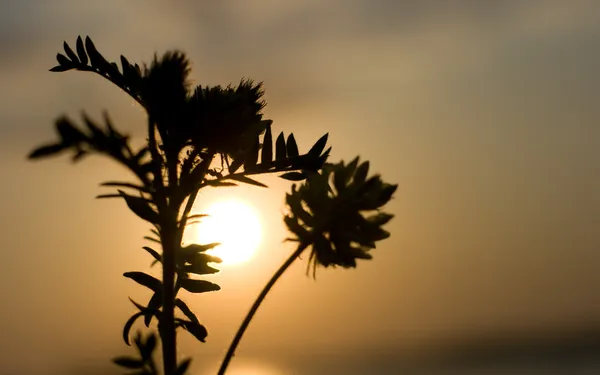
column 252, row 155
column 293, row 176
column 140, row 207
column 149, row 347
column 129, row 362
column 60, row 68
column 361, row 172
column 153, row 307
column 291, row 147
column 247, row 180
column 63, row 61
column 154, row 253
column 140, row 188
column 183, row 366
column 186, row 310
column 146, row 280
column 319, row 146
column 70, row 53
column 236, row 164
column 128, row 326
column 280, row 151
column 97, row 60
column 199, row 286
column 81, row 51
column 196, row 329
column 266, row 155
column 47, row 150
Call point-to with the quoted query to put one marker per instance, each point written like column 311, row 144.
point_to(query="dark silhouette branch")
column 256, row 305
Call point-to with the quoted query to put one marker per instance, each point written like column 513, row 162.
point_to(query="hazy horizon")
column 484, row 113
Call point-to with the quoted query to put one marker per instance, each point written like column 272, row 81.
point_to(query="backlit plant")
column 211, row 136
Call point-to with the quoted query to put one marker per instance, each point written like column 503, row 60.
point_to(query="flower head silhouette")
column 331, row 219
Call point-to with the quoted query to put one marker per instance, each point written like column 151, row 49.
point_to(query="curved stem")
column 255, row 306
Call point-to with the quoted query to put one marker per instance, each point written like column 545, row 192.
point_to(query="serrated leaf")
column 46, row 150
column 183, row 366
column 293, row 176
column 81, row 51
column 129, row 362
column 128, row 326
column 70, row 53
column 199, row 286
column 280, row 151
column 140, row 207
column 146, row 280
column 247, row 180
column 291, row 147
column 186, row 310
column 266, row 155
column 319, row 146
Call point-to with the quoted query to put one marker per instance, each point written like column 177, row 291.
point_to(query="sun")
column 233, row 223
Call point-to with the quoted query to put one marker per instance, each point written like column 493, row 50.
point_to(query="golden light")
column 233, row 223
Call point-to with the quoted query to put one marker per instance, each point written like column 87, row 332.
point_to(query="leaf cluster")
column 328, row 214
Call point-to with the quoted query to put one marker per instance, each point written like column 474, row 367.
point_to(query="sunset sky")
column 486, row 114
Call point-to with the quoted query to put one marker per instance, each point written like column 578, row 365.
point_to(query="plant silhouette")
column 211, row 136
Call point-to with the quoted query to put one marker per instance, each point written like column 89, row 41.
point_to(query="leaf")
column 152, row 239
column 186, row 310
column 196, row 329
column 280, row 152
column 293, row 176
column 140, row 188
column 129, row 362
column 199, row 264
column 140, row 207
column 266, row 155
column 78, row 155
column 252, row 155
column 153, row 307
column 97, row 60
column 154, row 253
column 235, row 164
column 146, row 280
column 81, row 51
column 319, row 146
column 199, row 286
column 291, row 147
column 216, row 183
column 183, row 366
column 70, row 53
column 247, row 180
column 128, row 326
column 149, row 347
column 60, row 68
column 63, row 61
column 360, row 174
column 47, row 150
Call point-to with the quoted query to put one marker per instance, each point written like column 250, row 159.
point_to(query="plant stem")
column 167, row 323
column 255, row 306
column 168, row 234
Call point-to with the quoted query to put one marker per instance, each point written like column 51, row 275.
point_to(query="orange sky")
column 486, row 116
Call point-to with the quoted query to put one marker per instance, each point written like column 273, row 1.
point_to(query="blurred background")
column 485, row 113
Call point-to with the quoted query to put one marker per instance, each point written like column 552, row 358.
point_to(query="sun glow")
column 233, row 223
